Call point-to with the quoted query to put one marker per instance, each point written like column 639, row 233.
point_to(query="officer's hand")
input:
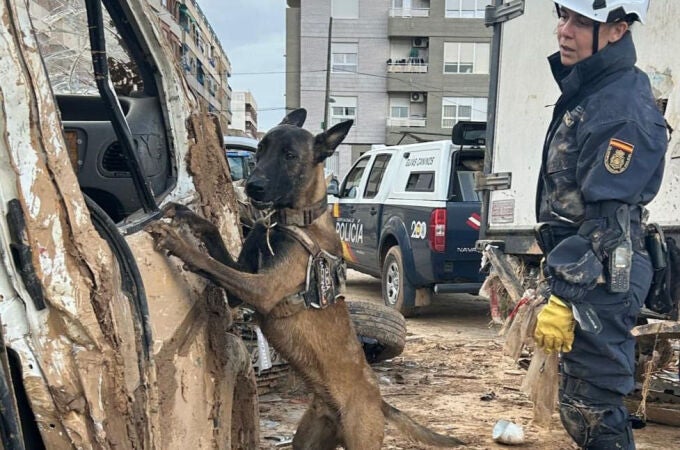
column 555, row 327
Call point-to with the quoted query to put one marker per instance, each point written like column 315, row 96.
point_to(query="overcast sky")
column 253, row 34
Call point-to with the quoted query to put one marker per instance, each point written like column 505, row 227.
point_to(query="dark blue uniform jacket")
column 606, row 141
column 605, row 146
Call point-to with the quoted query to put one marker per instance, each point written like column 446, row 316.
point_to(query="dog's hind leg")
column 318, row 428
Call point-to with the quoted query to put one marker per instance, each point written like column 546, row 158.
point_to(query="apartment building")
column 197, row 48
column 404, row 70
column 244, row 115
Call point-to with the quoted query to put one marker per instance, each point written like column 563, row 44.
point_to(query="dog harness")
column 326, row 273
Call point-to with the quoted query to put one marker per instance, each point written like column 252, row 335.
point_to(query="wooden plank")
column 505, row 273
column 667, row 329
column 662, row 413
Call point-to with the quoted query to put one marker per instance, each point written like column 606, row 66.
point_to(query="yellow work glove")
column 555, row 326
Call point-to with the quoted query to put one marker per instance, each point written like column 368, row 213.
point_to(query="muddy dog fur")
column 320, row 344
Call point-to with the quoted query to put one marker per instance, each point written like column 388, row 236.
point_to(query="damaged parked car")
column 107, row 343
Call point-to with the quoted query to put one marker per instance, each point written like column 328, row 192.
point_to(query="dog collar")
column 301, row 217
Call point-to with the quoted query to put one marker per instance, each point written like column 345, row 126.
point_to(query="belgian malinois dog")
column 272, row 270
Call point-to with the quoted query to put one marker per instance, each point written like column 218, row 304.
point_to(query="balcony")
column 407, row 122
column 251, row 118
column 407, row 65
column 410, row 12
column 410, row 8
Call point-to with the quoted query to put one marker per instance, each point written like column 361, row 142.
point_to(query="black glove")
column 573, row 268
column 607, row 227
column 602, row 239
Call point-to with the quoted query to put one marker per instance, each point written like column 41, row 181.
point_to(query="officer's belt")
column 637, row 239
column 608, row 209
column 559, row 232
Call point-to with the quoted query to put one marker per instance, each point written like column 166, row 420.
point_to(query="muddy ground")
column 451, row 376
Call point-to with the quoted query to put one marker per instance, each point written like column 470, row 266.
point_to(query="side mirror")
column 469, row 133
column 333, row 187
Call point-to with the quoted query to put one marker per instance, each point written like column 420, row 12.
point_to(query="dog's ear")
column 325, row 143
column 296, row 117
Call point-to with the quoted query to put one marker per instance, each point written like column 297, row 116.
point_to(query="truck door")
column 368, row 212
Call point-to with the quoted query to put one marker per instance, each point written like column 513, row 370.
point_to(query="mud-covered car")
column 240, row 155
column 108, row 343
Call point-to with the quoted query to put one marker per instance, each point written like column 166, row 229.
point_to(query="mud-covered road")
column 452, row 376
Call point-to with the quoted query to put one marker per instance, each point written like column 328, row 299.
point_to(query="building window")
column 399, row 112
column 400, row 107
column 345, row 9
column 466, row 57
column 184, row 18
column 462, row 108
column 466, row 9
column 344, row 57
column 343, row 108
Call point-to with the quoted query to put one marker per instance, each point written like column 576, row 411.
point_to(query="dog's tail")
column 416, row 431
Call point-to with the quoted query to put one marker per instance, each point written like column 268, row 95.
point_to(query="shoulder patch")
column 618, row 155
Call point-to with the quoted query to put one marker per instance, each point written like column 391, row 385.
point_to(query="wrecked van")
column 107, row 343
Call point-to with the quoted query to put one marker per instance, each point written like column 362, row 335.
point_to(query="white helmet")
column 607, row 10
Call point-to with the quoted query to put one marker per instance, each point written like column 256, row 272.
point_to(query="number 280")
column 418, row 230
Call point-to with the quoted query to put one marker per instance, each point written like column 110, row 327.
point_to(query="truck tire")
column 398, row 293
column 381, row 330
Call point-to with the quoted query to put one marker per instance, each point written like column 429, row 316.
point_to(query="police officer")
column 603, row 161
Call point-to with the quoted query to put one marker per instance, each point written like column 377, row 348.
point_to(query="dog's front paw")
column 182, row 215
column 172, row 209
column 165, row 237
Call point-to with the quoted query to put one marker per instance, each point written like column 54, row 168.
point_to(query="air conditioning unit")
column 417, row 97
column 419, row 42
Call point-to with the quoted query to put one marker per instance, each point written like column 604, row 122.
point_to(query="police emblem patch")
column 618, row 155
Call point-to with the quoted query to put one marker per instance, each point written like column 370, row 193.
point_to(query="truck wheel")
column 397, row 291
column 381, row 330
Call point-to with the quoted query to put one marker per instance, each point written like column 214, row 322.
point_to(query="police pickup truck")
column 409, row 214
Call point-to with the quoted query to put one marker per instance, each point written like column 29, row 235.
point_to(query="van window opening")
column 420, row 182
column 376, row 175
